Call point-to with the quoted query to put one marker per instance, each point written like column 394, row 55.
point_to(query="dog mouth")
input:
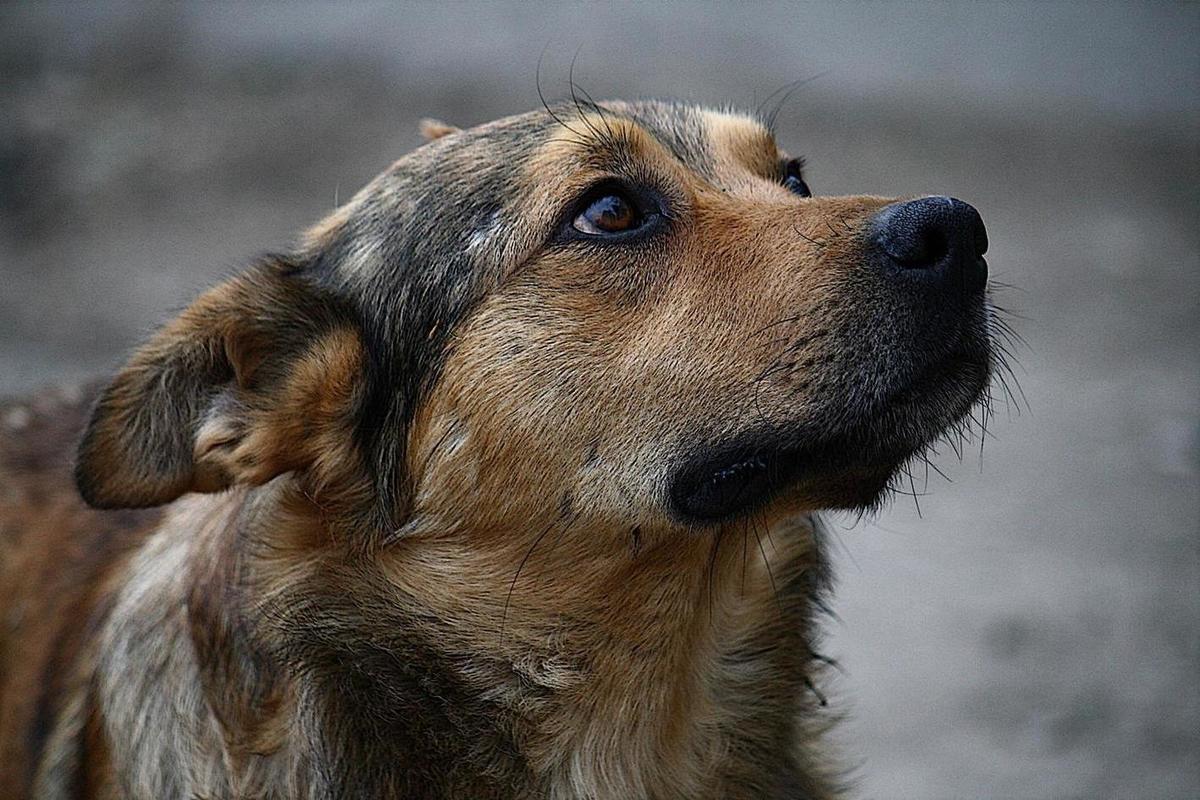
column 849, row 467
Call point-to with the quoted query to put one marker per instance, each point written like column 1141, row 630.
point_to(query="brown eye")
column 611, row 213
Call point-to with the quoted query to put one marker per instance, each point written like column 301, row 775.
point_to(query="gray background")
column 1034, row 631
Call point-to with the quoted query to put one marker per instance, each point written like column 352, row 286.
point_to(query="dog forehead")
column 705, row 139
column 710, row 142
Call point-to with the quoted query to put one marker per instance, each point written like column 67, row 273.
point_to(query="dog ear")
column 435, row 129
column 259, row 376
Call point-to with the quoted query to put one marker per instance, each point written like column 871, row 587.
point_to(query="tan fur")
column 435, row 129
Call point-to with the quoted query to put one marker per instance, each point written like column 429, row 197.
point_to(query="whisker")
column 745, row 541
column 591, row 104
column 767, row 564
column 817, row 243
column 513, row 584
column 792, row 88
column 542, row 97
column 712, row 563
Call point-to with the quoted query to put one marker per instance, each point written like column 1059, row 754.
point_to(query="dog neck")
column 569, row 660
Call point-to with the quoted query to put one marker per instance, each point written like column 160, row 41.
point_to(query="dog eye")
column 612, row 212
column 792, row 179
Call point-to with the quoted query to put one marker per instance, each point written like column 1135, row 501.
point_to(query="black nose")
column 936, row 238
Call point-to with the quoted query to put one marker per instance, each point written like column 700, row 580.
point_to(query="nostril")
column 935, row 244
column 924, row 249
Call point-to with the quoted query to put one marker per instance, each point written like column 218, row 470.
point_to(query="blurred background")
column 1033, row 630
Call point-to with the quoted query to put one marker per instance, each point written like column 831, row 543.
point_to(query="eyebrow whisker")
column 592, row 104
column 792, row 88
column 542, row 97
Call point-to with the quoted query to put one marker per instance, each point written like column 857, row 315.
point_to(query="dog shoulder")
column 57, row 557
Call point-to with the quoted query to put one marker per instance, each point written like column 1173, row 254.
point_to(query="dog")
column 503, row 483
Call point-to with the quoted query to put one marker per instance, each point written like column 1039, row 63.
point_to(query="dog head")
column 633, row 313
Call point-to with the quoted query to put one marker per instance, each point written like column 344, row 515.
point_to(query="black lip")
column 708, row 491
column 736, row 480
column 724, row 485
column 854, row 465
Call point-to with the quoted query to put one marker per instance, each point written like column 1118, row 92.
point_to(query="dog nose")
column 936, row 238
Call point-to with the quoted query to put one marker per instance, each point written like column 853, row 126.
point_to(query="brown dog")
column 499, row 486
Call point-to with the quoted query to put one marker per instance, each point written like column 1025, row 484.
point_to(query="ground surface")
column 1035, row 631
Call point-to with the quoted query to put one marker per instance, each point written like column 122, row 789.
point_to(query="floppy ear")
column 261, row 375
column 435, row 129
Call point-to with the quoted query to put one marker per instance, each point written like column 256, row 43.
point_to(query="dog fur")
column 388, row 516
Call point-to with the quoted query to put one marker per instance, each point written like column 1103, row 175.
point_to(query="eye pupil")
column 611, row 213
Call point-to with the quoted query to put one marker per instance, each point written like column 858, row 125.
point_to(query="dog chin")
column 805, row 470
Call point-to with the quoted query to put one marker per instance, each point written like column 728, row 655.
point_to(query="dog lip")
column 728, row 481
column 717, row 488
column 736, row 480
